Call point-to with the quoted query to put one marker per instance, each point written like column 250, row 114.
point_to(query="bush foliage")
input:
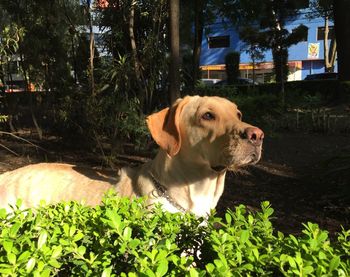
column 124, row 238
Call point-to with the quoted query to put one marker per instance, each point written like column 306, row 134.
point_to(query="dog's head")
column 208, row 131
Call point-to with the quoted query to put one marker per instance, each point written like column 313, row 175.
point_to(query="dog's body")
column 200, row 139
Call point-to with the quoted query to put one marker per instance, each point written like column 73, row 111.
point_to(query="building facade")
column 305, row 58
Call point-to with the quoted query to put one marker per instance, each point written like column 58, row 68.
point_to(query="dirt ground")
column 290, row 176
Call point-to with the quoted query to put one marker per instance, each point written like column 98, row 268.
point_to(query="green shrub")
column 124, row 238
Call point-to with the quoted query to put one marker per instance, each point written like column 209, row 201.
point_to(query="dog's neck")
column 197, row 190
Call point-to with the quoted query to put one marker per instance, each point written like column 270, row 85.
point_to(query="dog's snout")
column 254, row 135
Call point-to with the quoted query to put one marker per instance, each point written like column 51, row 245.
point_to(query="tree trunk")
column 342, row 32
column 325, row 46
column 333, row 53
column 92, row 49
column 74, row 56
column 133, row 40
column 142, row 89
column 280, row 61
column 174, row 73
column 253, row 71
column 330, row 49
column 197, row 44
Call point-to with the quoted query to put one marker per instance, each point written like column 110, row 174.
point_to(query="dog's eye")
column 239, row 115
column 208, row 116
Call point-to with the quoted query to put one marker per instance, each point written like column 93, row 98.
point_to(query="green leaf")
column 193, row 272
column 228, row 218
column 280, row 235
column 249, row 267
column 45, row 273
column 244, row 236
column 78, row 236
column 224, row 238
column 295, row 241
column 3, row 213
column 24, row 256
column 269, row 212
column 291, row 262
column 223, row 259
column 54, row 263
column 162, row 268
column 134, row 243
column 115, row 220
column 8, row 246
column 106, row 272
column 334, row 263
column 323, row 236
column 265, row 205
column 210, row 268
column 56, row 252
column 149, row 273
column 19, row 203
column 127, row 233
column 42, row 239
column 66, row 229
column 64, row 242
column 250, row 219
column 41, row 266
column 256, row 253
column 72, row 230
column 66, row 210
column 322, row 255
column 307, row 270
column 12, row 258
column 14, row 230
column 81, row 250
column 298, row 258
column 6, row 271
column 239, row 257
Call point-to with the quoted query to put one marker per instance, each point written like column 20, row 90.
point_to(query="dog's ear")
column 165, row 127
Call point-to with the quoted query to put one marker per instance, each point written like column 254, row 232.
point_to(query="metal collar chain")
column 162, row 192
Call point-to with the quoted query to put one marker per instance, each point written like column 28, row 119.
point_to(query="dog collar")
column 162, row 192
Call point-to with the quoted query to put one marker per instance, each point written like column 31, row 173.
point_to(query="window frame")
column 224, row 43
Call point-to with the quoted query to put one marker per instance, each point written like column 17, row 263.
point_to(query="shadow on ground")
column 293, row 177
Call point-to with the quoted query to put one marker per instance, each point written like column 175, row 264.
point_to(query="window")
column 219, row 42
column 320, row 33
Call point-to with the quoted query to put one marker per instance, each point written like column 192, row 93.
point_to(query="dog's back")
column 55, row 182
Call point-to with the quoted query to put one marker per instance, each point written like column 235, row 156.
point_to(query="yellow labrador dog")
column 200, row 138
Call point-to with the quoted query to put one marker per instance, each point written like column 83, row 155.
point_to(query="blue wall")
column 298, row 52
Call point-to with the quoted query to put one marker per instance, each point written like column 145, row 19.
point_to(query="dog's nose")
column 254, row 135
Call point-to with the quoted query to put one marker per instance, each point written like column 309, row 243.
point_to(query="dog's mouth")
column 219, row 168
column 252, row 159
column 234, row 163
